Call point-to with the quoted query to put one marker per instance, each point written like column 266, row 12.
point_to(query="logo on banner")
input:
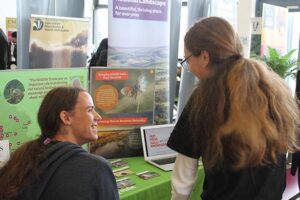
column 38, row 24
column 256, row 25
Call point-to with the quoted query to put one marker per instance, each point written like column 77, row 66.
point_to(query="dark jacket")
column 69, row 172
column 3, row 50
column 222, row 183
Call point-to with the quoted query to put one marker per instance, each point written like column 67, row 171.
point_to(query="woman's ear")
column 65, row 117
column 205, row 57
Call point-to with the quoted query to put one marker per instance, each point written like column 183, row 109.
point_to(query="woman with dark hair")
column 54, row 166
column 241, row 120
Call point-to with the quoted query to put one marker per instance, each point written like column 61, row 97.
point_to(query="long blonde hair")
column 244, row 114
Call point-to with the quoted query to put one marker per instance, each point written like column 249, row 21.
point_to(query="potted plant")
column 283, row 65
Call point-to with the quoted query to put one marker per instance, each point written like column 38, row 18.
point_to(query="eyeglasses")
column 185, row 64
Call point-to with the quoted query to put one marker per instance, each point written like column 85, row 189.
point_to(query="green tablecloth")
column 158, row 188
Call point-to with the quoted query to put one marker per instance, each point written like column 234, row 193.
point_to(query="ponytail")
column 244, row 115
column 23, row 162
column 26, row 159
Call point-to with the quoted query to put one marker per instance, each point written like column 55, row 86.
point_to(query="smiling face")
column 84, row 119
column 82, row 122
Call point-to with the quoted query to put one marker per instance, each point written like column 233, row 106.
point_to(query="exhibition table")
column 158, row 187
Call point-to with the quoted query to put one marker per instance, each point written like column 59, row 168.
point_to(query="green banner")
column 21, row 93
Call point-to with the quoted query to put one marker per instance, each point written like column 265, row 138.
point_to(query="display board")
column 274, row 28
column 58, row 42
column 226, row 9
column 124, row 98
column 21, row 93
column 144, row 42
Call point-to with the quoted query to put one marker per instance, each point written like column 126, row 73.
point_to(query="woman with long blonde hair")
column 241, row 120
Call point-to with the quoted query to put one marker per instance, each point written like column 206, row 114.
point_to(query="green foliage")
column 283, row 65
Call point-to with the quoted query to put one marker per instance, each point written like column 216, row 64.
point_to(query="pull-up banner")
column 139, row 37
column 143, row 10
column 274, row 28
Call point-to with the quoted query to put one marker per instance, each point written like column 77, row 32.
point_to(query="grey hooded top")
column 69, row 172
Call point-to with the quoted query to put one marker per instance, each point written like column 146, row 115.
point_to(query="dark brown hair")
column 25, row 160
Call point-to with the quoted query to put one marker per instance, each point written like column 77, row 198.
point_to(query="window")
column 183, row 28
column 100, row 23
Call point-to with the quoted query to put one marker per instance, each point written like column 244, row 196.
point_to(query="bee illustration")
column 134, row 90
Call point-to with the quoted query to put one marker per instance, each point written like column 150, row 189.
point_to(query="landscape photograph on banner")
column 148, row 44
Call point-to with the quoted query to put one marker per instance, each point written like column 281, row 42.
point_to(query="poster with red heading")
column 124, row 97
